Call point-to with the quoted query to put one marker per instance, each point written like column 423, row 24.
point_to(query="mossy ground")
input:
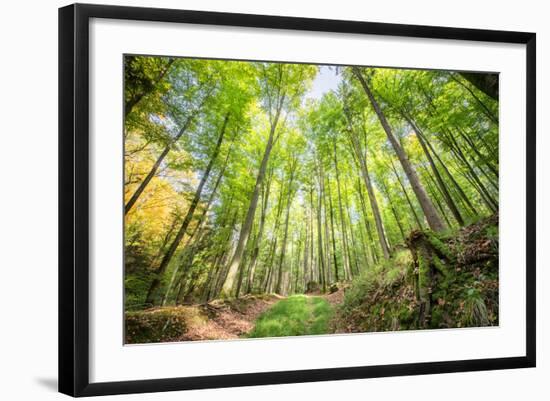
column 448, row 281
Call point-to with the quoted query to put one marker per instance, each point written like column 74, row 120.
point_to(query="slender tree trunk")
column 285, row 235
column 352, row 235
column 183, row 228
column 394, row 211
column 312, row 235
column 345, row 247
column 409, row 201
column 321, row 255
column 306, row 250
column 456, row 185
column 328, row 257
column 364, row 246
column 200, row 222
column 433, row 190
column 335, row 258
column 256, row 249
column 139, row 190
column 367, row 224
column 490, row 115
column 460, row 155
column 441, row 183
column 372, row 197
column 430, row 211
column 247, row 225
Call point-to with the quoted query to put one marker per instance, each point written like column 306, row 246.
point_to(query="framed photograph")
column 250, row 199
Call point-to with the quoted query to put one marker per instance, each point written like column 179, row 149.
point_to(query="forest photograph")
column 270, row 199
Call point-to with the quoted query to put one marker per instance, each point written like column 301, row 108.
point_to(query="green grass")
column 295, row 316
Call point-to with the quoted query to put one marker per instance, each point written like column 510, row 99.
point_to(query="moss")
column 440, row 266
column 424, row 287
column 441, row 249
column 160, row 325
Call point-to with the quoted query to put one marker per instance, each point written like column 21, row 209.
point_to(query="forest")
column 268, row 199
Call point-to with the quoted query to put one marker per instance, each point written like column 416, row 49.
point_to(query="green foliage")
column 326, row 162
column 294, row 316
column 461, row 289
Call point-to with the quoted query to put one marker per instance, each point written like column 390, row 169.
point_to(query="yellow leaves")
column 155, row 209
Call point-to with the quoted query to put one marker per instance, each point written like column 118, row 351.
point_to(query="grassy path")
column 294, row 316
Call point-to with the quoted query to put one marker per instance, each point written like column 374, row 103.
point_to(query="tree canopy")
column 242, row 178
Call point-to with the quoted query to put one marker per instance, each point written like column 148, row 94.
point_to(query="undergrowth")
column 294, row 316
column 442, row 281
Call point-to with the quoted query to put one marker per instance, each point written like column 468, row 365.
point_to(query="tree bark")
column 441, row 183
column 257, row 243
column 345, row 250
column 285, row 235
column 372, row 196
column 434, row 221
column 334, row 257
column 247, row 225
column 179, row 236
column 321, row 255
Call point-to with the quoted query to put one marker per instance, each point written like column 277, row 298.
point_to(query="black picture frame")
column 74, row 198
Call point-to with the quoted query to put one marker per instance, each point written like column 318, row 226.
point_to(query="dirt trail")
column 216, row 320
column 229, row 319
column 336, row 298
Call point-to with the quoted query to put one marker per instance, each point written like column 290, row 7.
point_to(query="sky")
column 325, row 81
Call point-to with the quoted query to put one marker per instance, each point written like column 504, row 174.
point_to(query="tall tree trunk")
column 441, row 183
column 312, row 235
column 335, row 258
column 490, row 115
column 456, row 185
column 481, row 156
column 434, row 221
column 285, row 235
column 247, row 225
column 345, row 250
column 352, row 235
column 434, row 191
column 367, row 224
column 258, row 241
column 321, row 255
column 139, row 190
column 394, row 211
column 481, row 187
column 328, row 257
column 183, row 228
column 407, row 197
column 199, row 223
column 372, row 196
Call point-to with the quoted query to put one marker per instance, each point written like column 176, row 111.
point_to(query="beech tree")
column 245, row 178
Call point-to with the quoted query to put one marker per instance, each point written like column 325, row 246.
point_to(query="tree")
column 185, row 223
column 430, row 212
column 280, row 88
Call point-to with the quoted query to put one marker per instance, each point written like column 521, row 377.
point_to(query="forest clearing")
column 269, row 199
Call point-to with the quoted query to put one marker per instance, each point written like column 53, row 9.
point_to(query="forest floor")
column 251, row 316
column 230, row 319
column 297, row 315
column 459, row 269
